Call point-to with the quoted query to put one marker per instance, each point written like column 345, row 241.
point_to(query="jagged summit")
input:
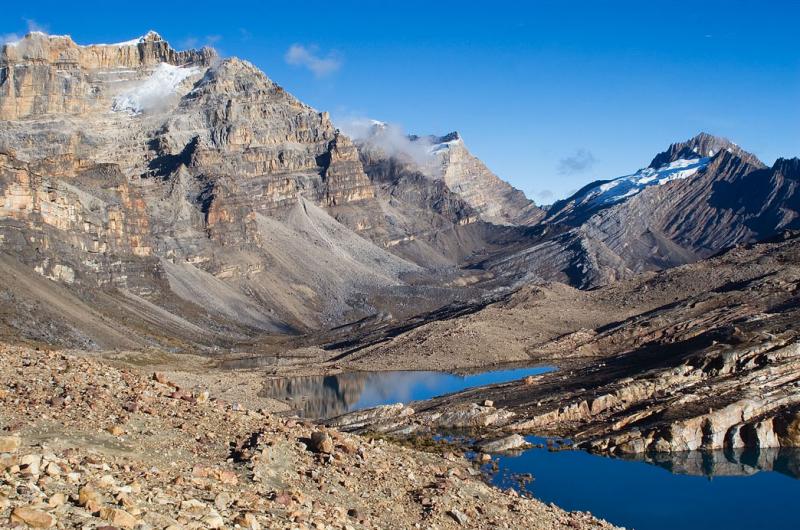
column 681, row 160
column 33, row 36
column 446, row 158
column 703, row 145
column 789, row 167
column 150, row 36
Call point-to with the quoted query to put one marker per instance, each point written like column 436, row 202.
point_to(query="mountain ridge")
column 206, row 190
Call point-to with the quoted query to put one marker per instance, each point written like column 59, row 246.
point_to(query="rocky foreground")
column 87, row 445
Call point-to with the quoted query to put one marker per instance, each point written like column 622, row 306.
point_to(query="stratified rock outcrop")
column 45, row 74
column 205, row 189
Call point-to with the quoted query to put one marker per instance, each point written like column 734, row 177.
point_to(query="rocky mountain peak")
column 435, row 141
column 788, row 167
column 704, row 145
column 449, row 137
column 236, row 77
column 50, row 74
column 151, row 36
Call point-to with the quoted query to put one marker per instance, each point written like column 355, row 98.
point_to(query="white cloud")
column 389, row 139
column 30, row 24
column 192, row 42
column 308, row 57
column 35, row 26
column 545, row 195
column 5, row 38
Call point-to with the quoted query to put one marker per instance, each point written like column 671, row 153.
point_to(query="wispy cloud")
column 389, row 139
column 35, row 26
column 192, row 42
column 5, row 38
column 30, row 24
column 310, row 58
column 578, row 162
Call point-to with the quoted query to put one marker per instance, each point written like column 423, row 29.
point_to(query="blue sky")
column 550, row 95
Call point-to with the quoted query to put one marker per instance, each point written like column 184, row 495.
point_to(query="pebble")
column 118, row 517
column 459, row 517
column 321, row 442
column 32, row 517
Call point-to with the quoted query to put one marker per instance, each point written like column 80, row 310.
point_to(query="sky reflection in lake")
column 327, row 396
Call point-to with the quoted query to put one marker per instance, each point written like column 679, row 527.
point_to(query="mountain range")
column 175, row 199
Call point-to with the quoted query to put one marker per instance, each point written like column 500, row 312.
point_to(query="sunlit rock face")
column 183, row 177
column 493, row 199
column 202, row 185
column 44, row 74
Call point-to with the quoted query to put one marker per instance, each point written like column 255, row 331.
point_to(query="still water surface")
column 750, row 490
column 331, row 395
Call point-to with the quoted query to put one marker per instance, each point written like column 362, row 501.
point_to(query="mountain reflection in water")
column 727, row 463
column 332, row 395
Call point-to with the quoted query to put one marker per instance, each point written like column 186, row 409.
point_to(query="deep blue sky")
column 538, row 90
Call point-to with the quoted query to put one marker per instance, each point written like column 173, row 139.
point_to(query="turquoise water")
column 751, row 490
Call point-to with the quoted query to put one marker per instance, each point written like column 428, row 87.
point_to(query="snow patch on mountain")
column 150, row 35
column 443, row 146
column 155, row 91
column 616, row 190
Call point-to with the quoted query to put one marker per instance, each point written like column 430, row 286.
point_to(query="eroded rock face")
column 493, row 199
column 44, row 74
column 204, row 187
column 76, row 234
column 173, row 175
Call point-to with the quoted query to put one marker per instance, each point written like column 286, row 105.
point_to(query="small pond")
column 331, row 395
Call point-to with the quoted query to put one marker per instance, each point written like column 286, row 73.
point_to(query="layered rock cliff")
column 45, row 74
column 201, row 186
column 180, row 177
column 493, row 199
